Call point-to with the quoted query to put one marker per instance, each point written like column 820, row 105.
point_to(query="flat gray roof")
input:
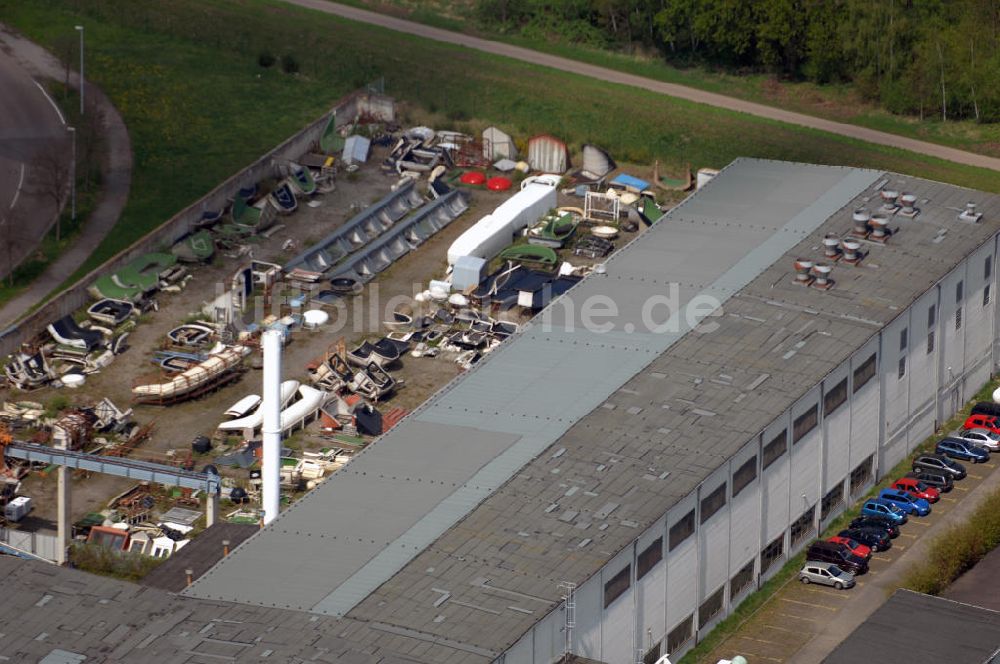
column 558, row 450
column 912, row 627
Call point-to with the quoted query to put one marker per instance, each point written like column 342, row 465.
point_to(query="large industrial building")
column 611, row 482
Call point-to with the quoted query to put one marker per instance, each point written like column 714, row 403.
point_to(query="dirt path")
column 117, row 177
column 670, row 89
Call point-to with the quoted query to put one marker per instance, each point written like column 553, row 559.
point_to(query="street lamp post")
column 72, row 177
column 79, row 29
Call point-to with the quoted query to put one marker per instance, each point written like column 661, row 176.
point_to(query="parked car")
column 854, row 546
column 827, row 574
column 986, row 408
column 990, row 422
column 906, row 502
column 936, row 463
column 981, row 437
column 876, row 538
column 941, row 481
column 916, row 488
column 879, row 507
column 959, row 449
column 840, row 555
column 876, row 522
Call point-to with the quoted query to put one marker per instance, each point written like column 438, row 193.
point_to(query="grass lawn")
column 839, row 102
column 186, row 78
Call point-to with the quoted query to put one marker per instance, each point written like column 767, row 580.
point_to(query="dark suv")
column 939, row 480
column 986, row 408
column 937, row 463
column 840, row 555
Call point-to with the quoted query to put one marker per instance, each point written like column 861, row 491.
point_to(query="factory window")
column 986, row 295
column 648, row 558
column 652, row 654
column 804, row 423
column 744, row 475
column 776, row 448
column 902, row 367
column 902, row 340
column 835, row 398
column 931, row 316
column 713, row 502
column 681, row 530
column 772, row 553
column 930, row 342
column 711, row 607
column 680, row 635
column 742, row 579
column 861, row 475
column 831, row 500
column 803, row 526
column 864, row 373
column 958, row 318
column 988, row 267
column 958, row 291
column 618, row 584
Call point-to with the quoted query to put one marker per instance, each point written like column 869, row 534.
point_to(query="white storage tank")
column 17, row 509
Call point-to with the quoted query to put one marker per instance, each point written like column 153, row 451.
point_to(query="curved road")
column 670, row 89
column 30, row 125
column 115, row 183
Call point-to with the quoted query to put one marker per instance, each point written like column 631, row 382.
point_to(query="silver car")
column 981, row 437
column 826, row 574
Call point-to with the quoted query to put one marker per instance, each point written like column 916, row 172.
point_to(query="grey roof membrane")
column 525, row 472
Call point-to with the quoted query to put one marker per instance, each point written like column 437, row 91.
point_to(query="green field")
column 186, row 78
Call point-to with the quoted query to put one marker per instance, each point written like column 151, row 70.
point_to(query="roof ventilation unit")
column 860, row 218
column 969, row 214
column 909, row 202
column 831, row 246
column 821, row 272
column 803, row 269
column 852, row 252
column 889, row 198
column 879, row 231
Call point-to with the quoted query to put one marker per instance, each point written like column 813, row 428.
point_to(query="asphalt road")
column 669, row 89
column 30, row 124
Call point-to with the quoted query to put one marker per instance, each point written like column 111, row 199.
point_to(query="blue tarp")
column 629, row 182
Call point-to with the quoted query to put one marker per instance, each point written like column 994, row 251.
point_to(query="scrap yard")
column 389, row 258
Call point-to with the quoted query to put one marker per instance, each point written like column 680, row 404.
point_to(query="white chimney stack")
column 831, row 246
column 909, row 202
column 860, row 219
column 271, row 404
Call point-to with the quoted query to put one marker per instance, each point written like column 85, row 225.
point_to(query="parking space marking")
column 950, row 500
column 919, row 523
column 911, row 536
column 902, row 547
column 960, row 488
column 789, row 615
column 828, row 593
column 974, row 476
column 989, row 465
column 885, row 558
column 753, row 656
column 818, row 606
column 754, row 638
column 781, row 629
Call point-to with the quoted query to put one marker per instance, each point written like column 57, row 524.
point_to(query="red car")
column 917, row 489
column 856, row 547
column 980, row 421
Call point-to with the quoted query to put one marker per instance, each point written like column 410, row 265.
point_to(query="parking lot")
column 801, row 624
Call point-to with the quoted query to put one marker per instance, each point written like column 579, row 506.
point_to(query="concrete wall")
column 882, row 420
column 75, row 297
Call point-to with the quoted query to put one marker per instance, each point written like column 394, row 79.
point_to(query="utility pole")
column 79, row 29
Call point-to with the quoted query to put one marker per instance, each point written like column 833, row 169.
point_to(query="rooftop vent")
column 889, row 198
column 852, row 253
column 909, row 202
column 860, row 219
column 831, row 246
column 821, row 272
column 803, row 270
column 879, row 231
column 970, row 215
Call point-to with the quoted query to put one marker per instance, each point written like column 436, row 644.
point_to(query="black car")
column 878, row 522
column 876, row 538
column 938, row 463
column 986, row 408
column 840, row 555
column 939, row 481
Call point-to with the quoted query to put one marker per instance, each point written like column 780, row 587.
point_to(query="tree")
column 10, row 239
column 51, row 168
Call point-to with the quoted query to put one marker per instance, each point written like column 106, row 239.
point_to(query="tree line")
column 920, row 57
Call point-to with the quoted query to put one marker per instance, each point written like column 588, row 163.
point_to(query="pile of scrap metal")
column 417, row 152
column 21, row 413
column 29, row 369
column 221, row 365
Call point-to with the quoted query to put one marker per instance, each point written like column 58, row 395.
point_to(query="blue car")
column 960, row 449
column 906, row 502
column 885, row 509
